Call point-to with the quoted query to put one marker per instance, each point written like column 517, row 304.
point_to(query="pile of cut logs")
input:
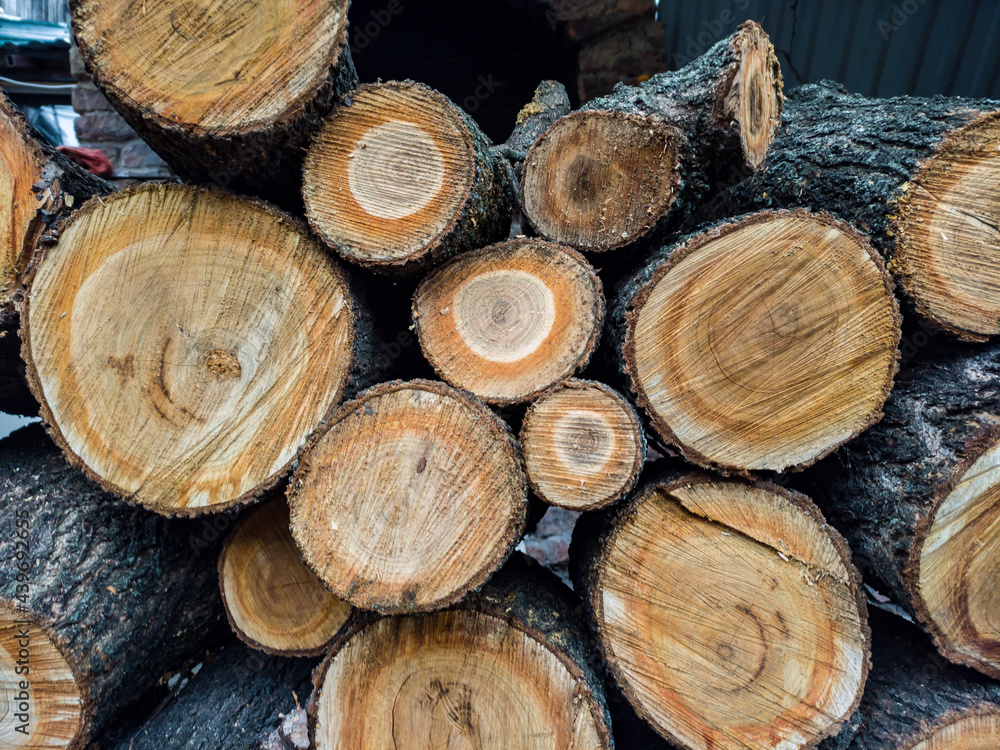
column 326, row 421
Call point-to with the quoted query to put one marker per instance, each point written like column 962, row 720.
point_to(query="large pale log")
column 762, row 343
column 226, row 92
column 184, row 342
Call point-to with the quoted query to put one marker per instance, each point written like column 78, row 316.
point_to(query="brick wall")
column 100, row 127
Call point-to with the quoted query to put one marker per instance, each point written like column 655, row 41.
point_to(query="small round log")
column 401, row 179
column 583, row 446
column 511, row 320
column 728, row 612
column 274, row 602
column 762, row 343
column 642, row 158
column 409, row 497
column 509, row 667
column 184, row 342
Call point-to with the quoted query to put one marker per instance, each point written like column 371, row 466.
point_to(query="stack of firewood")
column 399, row 388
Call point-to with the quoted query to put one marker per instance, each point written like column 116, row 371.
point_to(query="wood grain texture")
column 401, row 179
column 583, row 445
column 410, row 497
column 184, row 342
column 274, row 602
column 511, row 320
column 506, row 669
column 947, row 228
column 226, row 91
column 38, row 187
column 729, row 612
column 762, row 343
column 113, row 595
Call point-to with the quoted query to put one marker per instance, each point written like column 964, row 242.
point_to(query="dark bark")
column 911, row 691
column 941, row 415
column 850, row 155
column 233, row 703
column 549, row 103
column 124, row 593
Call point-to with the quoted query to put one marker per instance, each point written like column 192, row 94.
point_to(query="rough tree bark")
column 549, row 103
column 916, row 497
column 401, row 179
column 103, row 597
column 226, row 94
column 916, row 174
column 233, row 702
column 509, row 666
column 642, row 158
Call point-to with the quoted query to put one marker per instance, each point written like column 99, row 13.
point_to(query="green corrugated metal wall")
column 873, row 47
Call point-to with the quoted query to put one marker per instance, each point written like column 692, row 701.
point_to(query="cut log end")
column 948, row 232
column 184, row 343
column 20, row 168
column 753, row 98
column 191, row 67
column 388, row 176
column 955, row 566
column 274, row 602
column 455, row 679
column 511, row 320
column 599, row 180
column 765, row 343
column 974, row 729
column 724, row 664
column 583, row 446
column 43, row 703
column 411, row 498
